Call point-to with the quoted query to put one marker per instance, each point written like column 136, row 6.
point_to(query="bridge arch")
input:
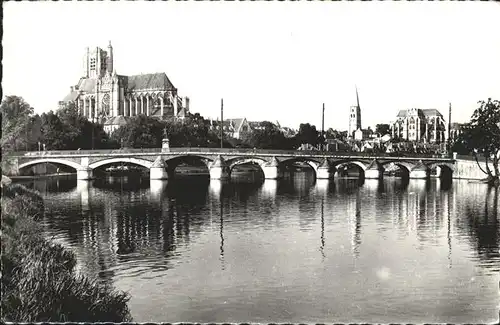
column 446, row 170
column 313, row 163
column 58, row 161
column 350, row 162
column 406, row 167
column 339, row 165
column 194, row 160
column 129, row 160
column 246, row 160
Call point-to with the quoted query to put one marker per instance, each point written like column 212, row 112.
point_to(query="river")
column 292, row 250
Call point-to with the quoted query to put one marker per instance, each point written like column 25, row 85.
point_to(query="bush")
column 39, row 280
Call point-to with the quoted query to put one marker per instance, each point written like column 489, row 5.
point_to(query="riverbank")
column 39, row 280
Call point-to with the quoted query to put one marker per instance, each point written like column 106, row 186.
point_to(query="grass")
column 39, row 280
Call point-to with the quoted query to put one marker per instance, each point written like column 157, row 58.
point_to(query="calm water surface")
column 293, row 250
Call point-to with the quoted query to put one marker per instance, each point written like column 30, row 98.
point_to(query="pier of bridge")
column 220, row 162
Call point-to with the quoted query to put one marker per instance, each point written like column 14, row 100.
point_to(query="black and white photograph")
column 250, row 162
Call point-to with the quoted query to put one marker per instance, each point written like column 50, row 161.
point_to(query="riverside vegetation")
column 39, row 279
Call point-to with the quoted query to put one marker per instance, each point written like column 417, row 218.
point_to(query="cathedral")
column 421, row 125
column 102, row 95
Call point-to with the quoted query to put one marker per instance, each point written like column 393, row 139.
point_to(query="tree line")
column 66, row 129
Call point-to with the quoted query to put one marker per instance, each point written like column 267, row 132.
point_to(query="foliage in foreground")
column 39, row 280
column 481, row 136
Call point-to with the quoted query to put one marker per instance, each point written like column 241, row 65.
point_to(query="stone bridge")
column 220, row 162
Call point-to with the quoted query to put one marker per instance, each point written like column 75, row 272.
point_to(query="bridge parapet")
column 223, row 151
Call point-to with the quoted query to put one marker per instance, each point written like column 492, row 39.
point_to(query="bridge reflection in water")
column 166, row 239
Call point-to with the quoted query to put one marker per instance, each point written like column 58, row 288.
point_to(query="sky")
column 275, row 61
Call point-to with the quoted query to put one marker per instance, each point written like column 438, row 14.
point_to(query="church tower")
column 109, row 62
column 354, row 117
column 96, row 62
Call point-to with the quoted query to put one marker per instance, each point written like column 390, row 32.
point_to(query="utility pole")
column 92, row 124
column 222, row 123
column 449, row 128
column 27, row 124
column 449, row 121
column 323, row 127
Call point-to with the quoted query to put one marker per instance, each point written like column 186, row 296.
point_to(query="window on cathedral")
column 92, row 64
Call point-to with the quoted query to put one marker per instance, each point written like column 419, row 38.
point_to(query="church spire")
column 357, row 97
column 109, row 64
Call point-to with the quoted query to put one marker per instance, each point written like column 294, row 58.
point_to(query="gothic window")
column 92, row 64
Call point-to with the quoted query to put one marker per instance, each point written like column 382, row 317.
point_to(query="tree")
column 66, row 129
column 35, row 132
column 307, row 134
column 382, row 129
column 16, row 117
column 73, row 124
column 267, row 136
column 481, row 136
column 140, row 132
column 53, row 135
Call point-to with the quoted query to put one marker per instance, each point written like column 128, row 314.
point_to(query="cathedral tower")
column 96, row 62
column 109, row 63
column 354, row 117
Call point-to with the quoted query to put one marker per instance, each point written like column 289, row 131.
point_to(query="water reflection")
column 157, row 189
column 222, row 234
column 269, row 189
column 322, row 187
column 142, row 229
column 322, row 247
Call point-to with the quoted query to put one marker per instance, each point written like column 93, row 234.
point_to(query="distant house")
column 234, row 128
column 455, row 130
column 114, row 123
column 256, row 125
column 362, row 134
column 288, row 132
column 240, row 127
column 333, row 144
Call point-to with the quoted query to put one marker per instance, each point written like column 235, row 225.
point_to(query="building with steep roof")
column 113, row 123
column 234, row 128
column 354, row 117
column 426, row 125
column 102, row 94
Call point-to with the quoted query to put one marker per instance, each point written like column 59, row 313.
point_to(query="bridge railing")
column 82, row 152
column 226, row 151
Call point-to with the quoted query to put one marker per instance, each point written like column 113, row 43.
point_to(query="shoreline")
column 34, row 265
